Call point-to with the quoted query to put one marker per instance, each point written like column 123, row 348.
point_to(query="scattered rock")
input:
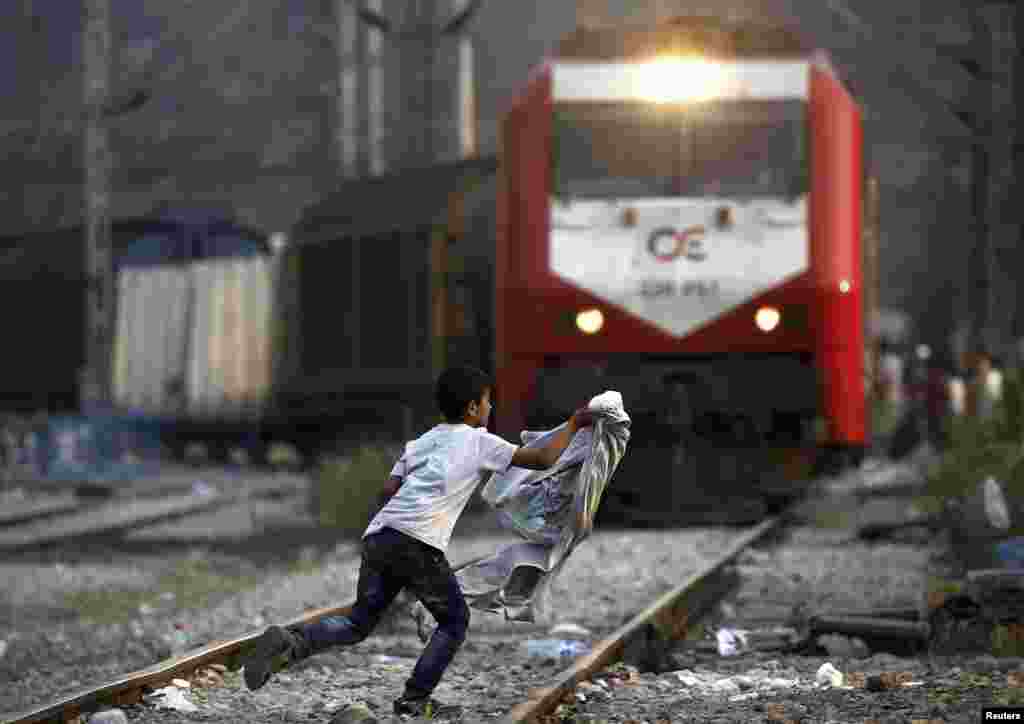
column 647, row 650
column 569, row 630
column 843, row 647
column 860, row 648
column 745, row 682
column 727, row 611
column 177, row 641
column 357, row 713
column 110, row 716
column 983, row 664
column 726, row 686
column 777, row 683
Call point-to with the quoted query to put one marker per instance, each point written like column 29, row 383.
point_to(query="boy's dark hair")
column 457, row 387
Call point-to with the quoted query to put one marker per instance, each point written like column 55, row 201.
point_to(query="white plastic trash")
column 828, row 675
column 555, row 648
column 569, row 630
column 731, row 641
column 202, row 489
column 688, row 678
column 996, row 509
column 171, row 697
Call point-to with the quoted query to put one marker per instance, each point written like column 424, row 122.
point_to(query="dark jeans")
column 391, row 562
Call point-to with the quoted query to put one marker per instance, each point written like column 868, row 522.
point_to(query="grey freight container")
column 194, row 341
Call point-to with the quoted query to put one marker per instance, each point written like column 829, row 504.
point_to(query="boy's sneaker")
column 272, row 651
column 427, row 708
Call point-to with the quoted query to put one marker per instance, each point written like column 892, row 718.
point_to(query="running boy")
column 406, row 542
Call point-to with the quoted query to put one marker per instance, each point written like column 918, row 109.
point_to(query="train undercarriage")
column 714, row 439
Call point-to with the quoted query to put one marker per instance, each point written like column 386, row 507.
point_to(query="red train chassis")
column 533, row 302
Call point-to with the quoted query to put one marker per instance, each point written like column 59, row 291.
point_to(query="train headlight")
column 767, row 318
column 590, row 321
column 671, row 79
column 845, row 286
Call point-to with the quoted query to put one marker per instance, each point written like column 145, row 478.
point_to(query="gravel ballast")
column 50, row 650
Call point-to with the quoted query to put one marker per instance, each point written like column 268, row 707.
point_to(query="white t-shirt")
column 440, row 469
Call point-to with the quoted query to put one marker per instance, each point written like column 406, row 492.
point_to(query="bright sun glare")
column 673, row 79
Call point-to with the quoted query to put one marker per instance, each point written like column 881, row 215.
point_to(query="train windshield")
column 738, row 148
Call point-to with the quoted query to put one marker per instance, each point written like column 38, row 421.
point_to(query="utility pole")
column 980, row 119
column 420, row 39
column 30, row 49
column 99, row 312
column 992, row 283
column 1018, row 175
column 1004, row 222
column 465, row 98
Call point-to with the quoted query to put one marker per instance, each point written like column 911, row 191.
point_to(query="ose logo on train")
column 667, row 244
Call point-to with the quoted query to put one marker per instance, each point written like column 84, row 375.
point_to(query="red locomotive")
column 679, row 218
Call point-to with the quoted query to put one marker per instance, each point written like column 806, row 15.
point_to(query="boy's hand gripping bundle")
column 551, row 510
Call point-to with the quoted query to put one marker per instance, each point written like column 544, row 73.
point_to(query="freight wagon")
column 390, row 280
column 221, row 340
column 43, row 281
column 42, row 294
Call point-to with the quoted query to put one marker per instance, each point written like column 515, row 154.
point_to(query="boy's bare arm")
column 542, row 458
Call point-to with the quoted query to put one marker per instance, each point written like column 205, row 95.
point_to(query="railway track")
column 67, row 518
column 668, row 617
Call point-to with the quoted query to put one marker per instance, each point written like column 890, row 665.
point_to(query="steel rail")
column 81, row 524
column 130, row 688
column 671, row 614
